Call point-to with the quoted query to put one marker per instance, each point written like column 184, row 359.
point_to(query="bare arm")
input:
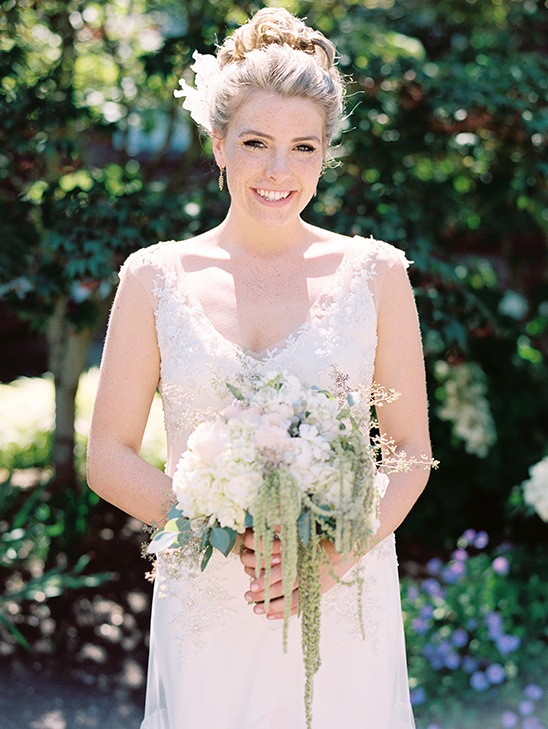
column 127, row 383
column 399, row 364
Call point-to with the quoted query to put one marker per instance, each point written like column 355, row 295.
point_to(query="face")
column 273, row 152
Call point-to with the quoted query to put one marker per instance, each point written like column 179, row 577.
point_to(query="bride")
column 263, row 287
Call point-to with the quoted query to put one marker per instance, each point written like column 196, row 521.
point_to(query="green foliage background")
column 444, row 155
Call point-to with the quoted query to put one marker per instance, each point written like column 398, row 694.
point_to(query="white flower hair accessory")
column 199, row 99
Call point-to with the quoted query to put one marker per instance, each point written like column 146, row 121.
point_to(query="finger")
column 277, row 607
column 249, row 542
column 257, row 591
column 249, row 559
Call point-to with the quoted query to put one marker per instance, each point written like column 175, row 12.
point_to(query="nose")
column 278, row 164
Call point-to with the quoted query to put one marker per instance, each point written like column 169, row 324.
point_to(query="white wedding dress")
column 214, row 663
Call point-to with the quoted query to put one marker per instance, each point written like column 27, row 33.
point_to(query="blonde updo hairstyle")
column 276, row 52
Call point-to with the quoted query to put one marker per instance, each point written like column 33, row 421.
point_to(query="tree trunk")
column 67, row 358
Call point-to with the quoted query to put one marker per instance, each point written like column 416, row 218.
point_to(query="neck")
column 247, row 238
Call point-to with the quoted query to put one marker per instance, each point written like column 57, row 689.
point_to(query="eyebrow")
column 311, row 137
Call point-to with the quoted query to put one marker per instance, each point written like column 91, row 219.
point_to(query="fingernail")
column 259, row 609
column 272, row 617
column 276, row 560
column 254, row 586
column 248, row 596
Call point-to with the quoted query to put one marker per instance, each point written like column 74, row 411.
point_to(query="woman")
column 263, row 287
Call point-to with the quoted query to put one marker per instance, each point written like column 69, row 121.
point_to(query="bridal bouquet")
column 293, row 462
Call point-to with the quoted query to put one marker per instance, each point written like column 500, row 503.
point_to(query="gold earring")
column 221, row 178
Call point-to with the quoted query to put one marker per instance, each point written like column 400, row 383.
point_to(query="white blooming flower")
column 466, row 406
column 199, row 99
column 535, row 489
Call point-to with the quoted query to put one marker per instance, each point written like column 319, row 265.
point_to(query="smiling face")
column 273, row 153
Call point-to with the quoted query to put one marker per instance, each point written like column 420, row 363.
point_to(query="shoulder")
column 156, row 257
column 381, row 255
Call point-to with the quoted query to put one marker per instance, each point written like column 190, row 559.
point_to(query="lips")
column 274, row 195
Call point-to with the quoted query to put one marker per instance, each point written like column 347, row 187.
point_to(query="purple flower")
column 427, row 611
column 531, row 722
column 526, row 708
column 432, row 587
column 453, row 572
column 479, row 681
column 472, row 624
column 509, row 719
column 459, row 638
column 495, row 673
column 501, row 566
column 436, row 662
column 421, row 626
column 418, row 696
column 533, row 692
column 469, row 535
column 452, row 661
column 461, row 555
column 434, row 566
column 494, row 625
column 413, row 593
column 481, row 540
column 508, row 643
column 469, row 664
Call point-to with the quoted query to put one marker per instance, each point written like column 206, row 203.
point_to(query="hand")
column 335, row 567
column 256, row 594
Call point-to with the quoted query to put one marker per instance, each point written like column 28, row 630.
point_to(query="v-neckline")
column 280, row 346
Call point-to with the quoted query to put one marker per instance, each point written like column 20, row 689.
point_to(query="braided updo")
column 276, row 52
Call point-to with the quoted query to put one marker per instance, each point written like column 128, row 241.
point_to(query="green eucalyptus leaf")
column 174, row 512
column 207, row 556
column 248, row 519
column 205, row 539
column 222, row 538
column 171, row 526
column 235, row 391
column 182, row 539
column 183, row 525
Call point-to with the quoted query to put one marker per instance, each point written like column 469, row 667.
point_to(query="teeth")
column 272, row 196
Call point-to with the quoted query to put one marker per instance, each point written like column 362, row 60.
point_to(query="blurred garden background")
column 444, row 154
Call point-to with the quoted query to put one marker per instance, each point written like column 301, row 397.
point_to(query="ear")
column 218, row 149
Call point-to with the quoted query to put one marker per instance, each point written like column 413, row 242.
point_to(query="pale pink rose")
column 232, row 411
column 272, row 431
column 251, row 413
column 208, row 440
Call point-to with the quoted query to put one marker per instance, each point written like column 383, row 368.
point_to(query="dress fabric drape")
column 213, row 662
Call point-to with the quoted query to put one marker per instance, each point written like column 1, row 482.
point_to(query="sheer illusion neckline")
column 315, row 311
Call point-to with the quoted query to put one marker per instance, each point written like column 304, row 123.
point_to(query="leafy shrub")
column 477, row 621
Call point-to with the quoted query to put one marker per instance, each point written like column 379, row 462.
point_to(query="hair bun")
column 276, row 26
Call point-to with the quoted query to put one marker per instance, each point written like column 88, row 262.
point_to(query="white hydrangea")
column 466, row 406
column 535, row 489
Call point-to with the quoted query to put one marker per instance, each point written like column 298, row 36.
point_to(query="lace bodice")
column 340, row 330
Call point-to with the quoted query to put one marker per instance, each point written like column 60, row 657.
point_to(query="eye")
column 253, row 144
column 308, row 148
